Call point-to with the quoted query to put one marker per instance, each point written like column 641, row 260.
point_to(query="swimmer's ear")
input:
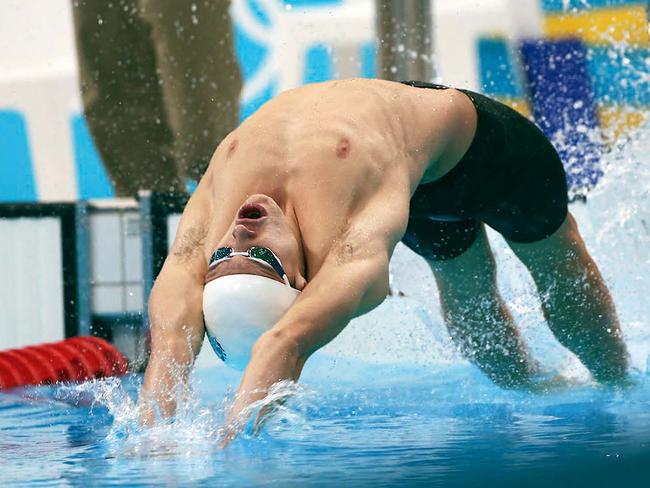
column 301, row 282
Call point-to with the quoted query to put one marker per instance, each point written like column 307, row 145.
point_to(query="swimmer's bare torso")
column 337, row 162
column 337, row 152
column 336, row 165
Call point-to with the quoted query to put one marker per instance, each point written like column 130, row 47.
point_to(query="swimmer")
column 290, row 231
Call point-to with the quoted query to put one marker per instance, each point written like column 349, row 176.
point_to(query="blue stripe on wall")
column 251, row 56
column 552, row 67
column 16, row 172
column 318, row 64
column 368, row 60
column 250, row 107
column 92, row 178
column 259, row 12
column 497, row 73
column 621, row 78
column 560, row 5
column 311, row 3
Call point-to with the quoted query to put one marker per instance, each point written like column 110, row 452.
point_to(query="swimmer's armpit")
column 190, row 242
column 352, row 245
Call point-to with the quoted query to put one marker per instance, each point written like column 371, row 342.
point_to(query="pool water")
column 399, row 426
column 390, row 402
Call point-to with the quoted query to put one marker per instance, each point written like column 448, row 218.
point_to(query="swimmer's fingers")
column 227, row 435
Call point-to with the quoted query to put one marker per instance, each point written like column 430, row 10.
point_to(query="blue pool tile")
column 92, row 179
column 16, row 173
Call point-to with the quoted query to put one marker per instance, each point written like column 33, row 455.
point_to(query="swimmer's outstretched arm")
column 346, row 286
column 176, row 315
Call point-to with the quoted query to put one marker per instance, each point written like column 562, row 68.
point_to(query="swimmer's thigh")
column 459, row 255
column 437, row 240
column 201, row 78
column 476, row 317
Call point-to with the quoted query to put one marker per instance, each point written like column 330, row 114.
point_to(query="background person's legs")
column 575, row 300
column 122, row 99
column 478, row 319
column 201, row 79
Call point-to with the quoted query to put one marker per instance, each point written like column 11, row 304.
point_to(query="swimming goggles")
column 259, row 254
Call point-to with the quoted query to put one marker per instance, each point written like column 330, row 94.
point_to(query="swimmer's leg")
column 478, row 319
column 200, row 76
column 575, row 300
column 122, row 97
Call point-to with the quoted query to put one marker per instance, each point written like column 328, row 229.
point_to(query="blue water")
column 397, row 426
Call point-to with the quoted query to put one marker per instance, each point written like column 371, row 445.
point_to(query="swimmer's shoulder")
column 351, row 84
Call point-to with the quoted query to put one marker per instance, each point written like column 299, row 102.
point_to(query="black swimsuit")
column 511, row 178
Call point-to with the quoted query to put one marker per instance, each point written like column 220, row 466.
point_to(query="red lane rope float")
column 44, row 371
column 76, row 359
column 24, row 370
column 117, row 364
column 81, row 367
column 99, row 364
column 61, row 366
column 8, row 377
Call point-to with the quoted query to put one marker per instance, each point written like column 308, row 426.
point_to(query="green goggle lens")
column 260, row 253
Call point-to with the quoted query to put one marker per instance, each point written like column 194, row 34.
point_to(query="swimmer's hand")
column 275, row 357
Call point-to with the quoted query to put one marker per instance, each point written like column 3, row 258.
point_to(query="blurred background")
column 86, row 246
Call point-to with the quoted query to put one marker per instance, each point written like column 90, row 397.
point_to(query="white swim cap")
column 238, row 309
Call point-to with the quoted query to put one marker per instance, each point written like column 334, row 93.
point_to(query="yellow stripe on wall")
column 616, row 120
column 520, row 105
column 602, row 26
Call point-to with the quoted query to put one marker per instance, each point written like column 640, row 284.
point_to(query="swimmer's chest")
column 336, row 167
column 326, row 190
